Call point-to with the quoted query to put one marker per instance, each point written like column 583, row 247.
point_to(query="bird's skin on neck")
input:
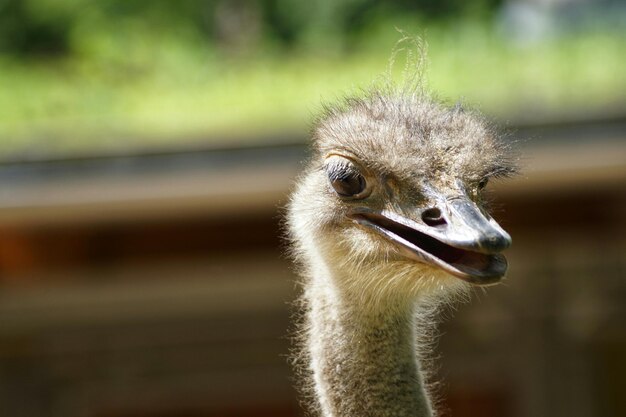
column 363, row 360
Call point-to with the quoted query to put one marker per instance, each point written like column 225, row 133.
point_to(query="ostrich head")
column 391, row 203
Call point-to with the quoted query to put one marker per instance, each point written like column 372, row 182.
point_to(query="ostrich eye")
column 483, row 183
column 345, row 180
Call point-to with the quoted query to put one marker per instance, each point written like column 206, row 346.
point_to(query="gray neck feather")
column 363, row 363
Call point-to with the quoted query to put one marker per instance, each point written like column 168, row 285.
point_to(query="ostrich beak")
column 454, row 235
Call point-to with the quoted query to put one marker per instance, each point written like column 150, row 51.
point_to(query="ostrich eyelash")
column 340, row 171
column 500, row 171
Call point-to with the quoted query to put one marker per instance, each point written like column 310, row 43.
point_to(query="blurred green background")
column 83, row 77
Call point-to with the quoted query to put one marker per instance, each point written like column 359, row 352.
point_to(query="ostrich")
column 386, row 222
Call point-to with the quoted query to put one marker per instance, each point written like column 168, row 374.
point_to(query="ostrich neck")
column 363, row 363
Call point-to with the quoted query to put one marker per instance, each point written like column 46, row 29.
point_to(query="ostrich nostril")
column 433, row 217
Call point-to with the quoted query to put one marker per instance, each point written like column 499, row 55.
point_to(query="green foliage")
column 48, row 27
column 117, row 74
column 28, row 27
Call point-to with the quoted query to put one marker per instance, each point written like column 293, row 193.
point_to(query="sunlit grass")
column 179, row 95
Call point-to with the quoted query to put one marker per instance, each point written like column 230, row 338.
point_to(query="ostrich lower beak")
column 456, row 236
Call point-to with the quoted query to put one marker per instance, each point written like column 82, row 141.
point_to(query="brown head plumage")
column 394, row 189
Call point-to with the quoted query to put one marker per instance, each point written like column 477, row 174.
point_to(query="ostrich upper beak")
column 454, row 235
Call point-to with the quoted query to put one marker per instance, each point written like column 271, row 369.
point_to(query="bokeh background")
column 145, row 151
